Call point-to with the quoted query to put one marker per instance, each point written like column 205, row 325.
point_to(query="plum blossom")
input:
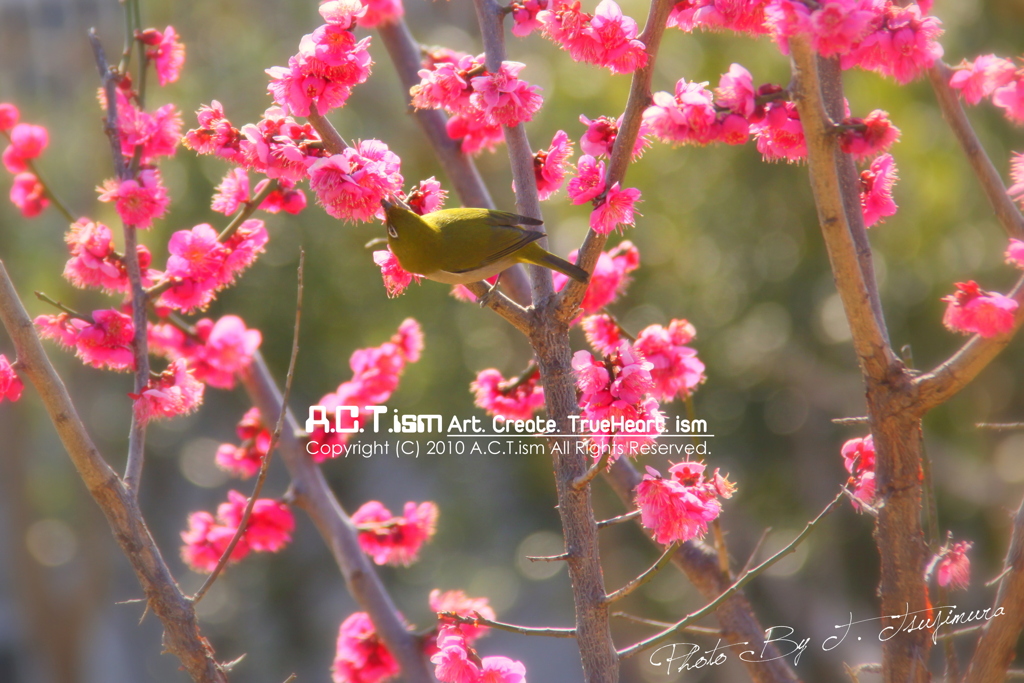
column 588, row 182
column 165, row 51
column 28, row 195
column 676, row 369
column 464, row 606
column 360, row 655
column 428, row 196
column 876, row 190
column 138, row 201
column 952, row 566
column 606, row 38
column 859, row 460
column 9, row 116
column 1015, row 253
column 617, row 210
column 549, row 165
column 680, row 507
column 390, row 539
column 28, row 141
column 457, row 662
column 979, row 79
column 511, row 399
column 10, row 384
column 95, row 263
column 396, row 278
column 867, row 137
column 609, row 278
column 599, row 139
column 350, row 185
column 902, row 43
column 270, row 525
column 972, row 310
column 245, row 459
column 174, row 392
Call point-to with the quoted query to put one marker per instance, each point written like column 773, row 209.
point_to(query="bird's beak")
column 386, row 204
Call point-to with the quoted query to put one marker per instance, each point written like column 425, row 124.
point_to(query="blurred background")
column 726, row 241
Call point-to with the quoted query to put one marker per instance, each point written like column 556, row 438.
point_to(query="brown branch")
column 313, row 495
column 840, row 218
column 645, row 578
column 477, row 620
column 739, row 623
column 945, row 381
column 622, row 152
column 991, row 181
column 182, row 637
column 274, row 438
column 998, row 642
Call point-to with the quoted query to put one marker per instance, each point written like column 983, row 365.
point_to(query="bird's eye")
column 392, row 232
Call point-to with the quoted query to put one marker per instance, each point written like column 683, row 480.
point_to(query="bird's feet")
column 484, row 301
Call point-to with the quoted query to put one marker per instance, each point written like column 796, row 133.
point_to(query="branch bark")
column 182, row 637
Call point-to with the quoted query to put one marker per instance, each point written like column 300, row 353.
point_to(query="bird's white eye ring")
column 392, row 232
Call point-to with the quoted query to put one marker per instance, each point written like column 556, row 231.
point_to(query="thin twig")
column 738, row 584
column 1000, row 426
column 477, row 620
column 548, row 558
column 58, row 305
column 663, row 561
column 600, row 464
column 753, row 553
column 847, row 421
column 698, row 630
column 275, row 437
column 618, row 520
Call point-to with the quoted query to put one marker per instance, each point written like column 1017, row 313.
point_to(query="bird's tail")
column 549, row 260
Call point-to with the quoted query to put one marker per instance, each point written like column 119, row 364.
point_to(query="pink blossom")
column 599, row 139
column 10, row 384
column 29, row 195
column 859, row 455
column 517, row 400
column 464, row 606
column 270, row 524
column 607, row 38
column 735, row 91
column 243, row 247
column 1010, row 98
column 1015, row 253
column 28, row 141
column 686, row 117
column 876, row 190
column 61, row 328
column 95, row 263
column 283, row 198
column 446, row 83
column 457, row 662
column 603, row 333
column 409, row 340
column 394, row 540
column 744, row 16
column 954, row 567
column 676, row 511
column 139, row 201
column 195, row 254
column 609, row 278
column 206, row 541
column 524, row 16
column 476, row 131
column 396, row 278
column 616, row 210
column 361, row 656
column 381, row 12
column 504, row 97
column 350, row 185
column 9, row 116
column 902, row 45
column 228, row 348
column 279, row 147
column 175, row 392
column 779, row 133
column 298, row 89
column 342, row 13
column 876, row 136
column 588, row 182
column 632, row 377
column 838, row 25
column 232, row 192
column 549, row 165
column 978, row 79
column 427, row 197
column 166, row 52
column 106, row 343
column 215, row 134
column 245, row 459
column 151, row 135
column 972, row 310
column 676, row 370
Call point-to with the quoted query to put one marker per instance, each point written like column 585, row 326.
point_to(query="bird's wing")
column 506, row 218
column 503, row 243
column 446, row 217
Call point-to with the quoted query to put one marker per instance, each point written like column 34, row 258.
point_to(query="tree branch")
column 991, row 181
column 478, row 620
column 182, row 637
column 997, row 645
column 644, row 578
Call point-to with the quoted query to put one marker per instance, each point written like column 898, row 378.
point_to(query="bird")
column 460, row 246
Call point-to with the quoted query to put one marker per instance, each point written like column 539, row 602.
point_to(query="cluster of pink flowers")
column 350, row 185
column 972, row 310
column 362, row 657
column 743, row 16
column 245, row 459
column 395, row 539
column 215, row 352
column 994, row 77
column 375, row 375
column 512, row 400
column 103, row 342
column 676, row 371
column 610, row 277
column 613, row 207
column 27, row 142
column 95, row 263
column 396, row 278
column 951, row 565
column 200, row 264
column 233, row 193
column 173, row 392
column 269, row 530
column 10, row 384
column 330, row 62
column 679, row 508
column 457, row 662
column 150, row 135
column 859, row 460
column 618, row 390
column 606, row 38
column 550, row 165
column 480, row 102
column 165, row 52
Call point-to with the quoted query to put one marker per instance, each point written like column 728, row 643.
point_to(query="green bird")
column 459, row 246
